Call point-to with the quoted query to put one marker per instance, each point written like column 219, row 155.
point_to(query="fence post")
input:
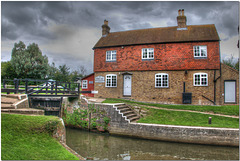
column 51, row 87
column 56, row 88
column 26, row 86
column 65, row 88
column 47, row 88
column 4, row 83
column 16, row 82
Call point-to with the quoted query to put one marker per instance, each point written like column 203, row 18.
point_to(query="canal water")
column 108, row 147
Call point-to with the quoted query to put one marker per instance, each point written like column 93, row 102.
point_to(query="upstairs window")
column 200, row 51
column 161, row 80
column 200, row 79
column 111, row 80
column 84, row 84
column 147, row 53
column 111, row 55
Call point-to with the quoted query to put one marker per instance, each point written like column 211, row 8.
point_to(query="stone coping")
column 190, row 127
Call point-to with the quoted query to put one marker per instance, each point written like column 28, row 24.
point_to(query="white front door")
column 127, row 85
column 230, row 92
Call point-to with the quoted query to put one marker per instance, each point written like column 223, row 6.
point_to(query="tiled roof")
column 159, row 35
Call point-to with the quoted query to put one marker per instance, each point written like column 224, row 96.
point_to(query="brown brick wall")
column 171, row 56
column 228, row 73
column 143, row 87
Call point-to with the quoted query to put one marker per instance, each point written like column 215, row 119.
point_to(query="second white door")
column 127, row 85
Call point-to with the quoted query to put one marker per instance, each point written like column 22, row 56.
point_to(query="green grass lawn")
column 227, row 110
column 156, row 116
column 27, row 138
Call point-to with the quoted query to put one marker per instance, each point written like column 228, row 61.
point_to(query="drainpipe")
column 215, row 79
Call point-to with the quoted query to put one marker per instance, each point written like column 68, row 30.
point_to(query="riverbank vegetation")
column 90, row 118
column 226, row 110
column 166, row 117
column 30, row 138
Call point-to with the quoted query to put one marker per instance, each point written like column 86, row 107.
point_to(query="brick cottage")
column 170, row 65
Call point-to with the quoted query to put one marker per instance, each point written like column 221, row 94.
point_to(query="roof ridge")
column 161, row 28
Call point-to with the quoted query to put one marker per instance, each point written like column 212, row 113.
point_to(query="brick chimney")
column 105, row 28
column 181, row 19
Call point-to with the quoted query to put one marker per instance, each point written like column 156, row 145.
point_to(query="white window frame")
column 202, row 47
column 110, row 55
column 162, row 85
column 110, row 78
column 201, row 77
column 84, row 82
column 148, row 53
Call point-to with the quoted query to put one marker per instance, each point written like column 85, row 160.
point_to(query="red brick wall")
column 172, row 56
column 90, row 87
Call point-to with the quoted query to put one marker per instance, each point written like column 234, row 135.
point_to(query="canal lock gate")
column 50, row 105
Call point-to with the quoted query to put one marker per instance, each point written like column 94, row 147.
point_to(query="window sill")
column 200, row 57
column 162, row 87
column 111, row 60
column 147, row 59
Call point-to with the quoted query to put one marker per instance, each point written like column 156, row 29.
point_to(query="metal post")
column 209, row 120
column 184, row 87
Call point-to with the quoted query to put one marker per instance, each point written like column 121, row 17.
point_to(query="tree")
column 82, row 70
column 7, row 71
column 75, row 75
column 237, row 65
column 52, row 71
column 62, row 73
column 29, row 62
column 230, row 62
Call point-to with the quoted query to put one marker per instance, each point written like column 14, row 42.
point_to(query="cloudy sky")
column 67, row 31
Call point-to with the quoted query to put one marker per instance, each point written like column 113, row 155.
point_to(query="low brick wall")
column 184, row 134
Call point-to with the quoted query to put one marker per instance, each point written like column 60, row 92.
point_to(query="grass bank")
column 157, row 116
column 226, row 110
column 30, row 138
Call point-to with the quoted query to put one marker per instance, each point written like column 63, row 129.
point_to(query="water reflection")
column 107, row 147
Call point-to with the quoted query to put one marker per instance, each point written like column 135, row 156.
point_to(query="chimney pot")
column 105, row 22
column 181, row 19
column 105, row 28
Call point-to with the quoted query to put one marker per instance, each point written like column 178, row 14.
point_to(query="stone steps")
column 128, row 112
column 8, row 100
column 9, row 104
column 23, row 111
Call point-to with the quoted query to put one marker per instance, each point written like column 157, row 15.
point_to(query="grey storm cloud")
column 69, row 29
